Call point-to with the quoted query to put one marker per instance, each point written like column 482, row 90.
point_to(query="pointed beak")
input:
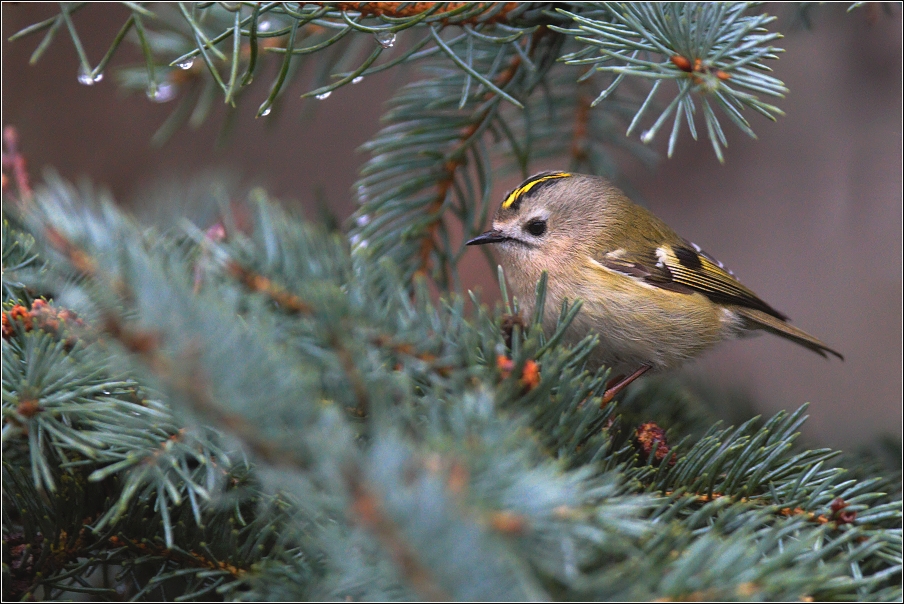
column 492, row 236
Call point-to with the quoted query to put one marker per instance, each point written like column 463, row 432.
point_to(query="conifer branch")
column 367, row 510
column 384, row 190
column 712, row 50
column 403, row 445
column 476, row 12
column 14, row 161
column 737, row 495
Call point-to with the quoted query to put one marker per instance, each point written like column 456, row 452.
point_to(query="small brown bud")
column 458, row 478
column 846, row 517
column 508, row 327
column 508, row 522
column 505, row 365
column 646, row 436
column 29, row 408
column 682, row 63
column 21, row 314
column 841, row 515
column 530, row 377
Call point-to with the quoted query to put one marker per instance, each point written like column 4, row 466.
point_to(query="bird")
column 654, row 299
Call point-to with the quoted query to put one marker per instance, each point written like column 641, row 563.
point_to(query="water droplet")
column 186, row 64
column 386, row 39
column 85, row 78
column 362, row 220
column 646, row 136
column 363, row 195
column 265, row 25
column 325, row 95
column 357, row 242
column 358, row 79
column 266, row 112
column 163, row 92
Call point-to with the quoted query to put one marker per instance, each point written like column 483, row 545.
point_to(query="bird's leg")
column 612, row 391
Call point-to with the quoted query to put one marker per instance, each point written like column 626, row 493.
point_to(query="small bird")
column 654, row 299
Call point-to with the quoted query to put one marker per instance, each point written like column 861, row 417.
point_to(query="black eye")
column 536, row 227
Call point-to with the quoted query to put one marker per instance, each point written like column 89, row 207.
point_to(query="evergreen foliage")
column 270, row 410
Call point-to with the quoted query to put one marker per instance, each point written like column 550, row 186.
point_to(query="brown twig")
column 359, row 388
column 580, row 139
column 14, row 160
column 408, row 350
column 365, row 506
column 147, row 344
column 293, row 303
column 187, row 558
column 428, row 243
column 193, row 386
column 788, row 511
column 368, row 511
column 276, row 292
column 456, row 159
column 412, row 9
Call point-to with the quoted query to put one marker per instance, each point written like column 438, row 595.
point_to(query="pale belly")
column 660, row 328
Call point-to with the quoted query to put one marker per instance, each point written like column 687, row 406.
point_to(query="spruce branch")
column 399, row 215
column 264, row 413
column 709, row 50
column 203, row 31
column 418, row 541
column 461, row 466
column 714, row 53
column 18, row 256
column 559, row 122
column 454, row 12
column 14, row 162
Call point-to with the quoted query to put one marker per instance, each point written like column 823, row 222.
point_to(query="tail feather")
column 760, row 320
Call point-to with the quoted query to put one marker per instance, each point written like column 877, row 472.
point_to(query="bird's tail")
column 760, row 320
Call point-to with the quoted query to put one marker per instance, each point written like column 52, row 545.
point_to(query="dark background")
column 809, row 215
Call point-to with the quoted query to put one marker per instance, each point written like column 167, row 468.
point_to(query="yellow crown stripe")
column 530, row 185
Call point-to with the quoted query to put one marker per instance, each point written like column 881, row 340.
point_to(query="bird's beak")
column 492, row 236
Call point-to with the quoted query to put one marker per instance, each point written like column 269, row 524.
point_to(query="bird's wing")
column 684, row 267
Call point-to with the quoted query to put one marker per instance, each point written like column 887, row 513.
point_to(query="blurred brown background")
column 809, row 216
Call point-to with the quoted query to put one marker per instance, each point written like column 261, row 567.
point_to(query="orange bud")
column 507, row 522
column 530, row 377
column 458, row 478
column 29, row 408
column 505, row 365
column 682, row 63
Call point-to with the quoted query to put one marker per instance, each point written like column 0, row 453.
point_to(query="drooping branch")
column 476, row 14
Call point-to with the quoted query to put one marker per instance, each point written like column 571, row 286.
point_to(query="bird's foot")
column 620, row 383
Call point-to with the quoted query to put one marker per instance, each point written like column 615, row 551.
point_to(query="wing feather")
column 687, row 269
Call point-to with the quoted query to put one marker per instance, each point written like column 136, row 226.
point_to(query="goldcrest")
column 654, row 299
